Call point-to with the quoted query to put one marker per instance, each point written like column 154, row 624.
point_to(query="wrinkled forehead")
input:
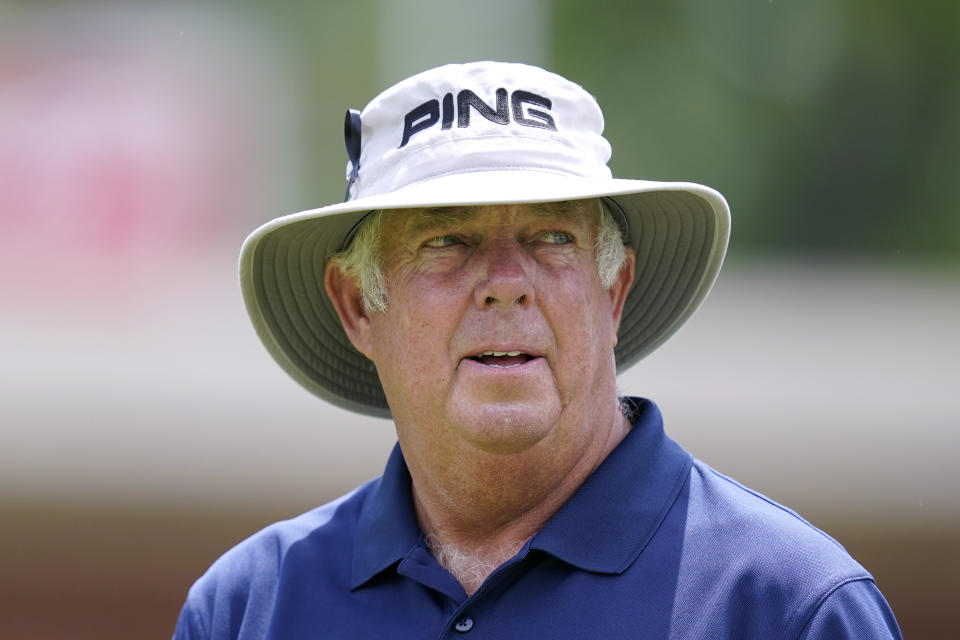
column 412, row 220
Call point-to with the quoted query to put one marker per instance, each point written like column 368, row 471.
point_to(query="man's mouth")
column 503, row 359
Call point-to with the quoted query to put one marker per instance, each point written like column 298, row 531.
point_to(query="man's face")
column 498, row 333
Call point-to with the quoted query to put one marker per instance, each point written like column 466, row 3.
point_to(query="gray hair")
column 362, row 260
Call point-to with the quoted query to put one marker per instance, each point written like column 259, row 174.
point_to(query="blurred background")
column 143, row 428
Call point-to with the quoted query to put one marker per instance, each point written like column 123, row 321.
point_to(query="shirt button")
column 464, row 624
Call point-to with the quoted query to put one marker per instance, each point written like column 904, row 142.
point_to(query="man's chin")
column 505, row 427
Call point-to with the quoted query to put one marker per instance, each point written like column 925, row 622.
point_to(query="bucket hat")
column 475, row 134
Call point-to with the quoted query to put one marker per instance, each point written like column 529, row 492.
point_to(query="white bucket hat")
column 473, row 134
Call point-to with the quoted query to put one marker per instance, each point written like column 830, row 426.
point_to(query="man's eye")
column 557, row 237
column 442, row 241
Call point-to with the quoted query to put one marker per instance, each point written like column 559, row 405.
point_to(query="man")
column 482, row 284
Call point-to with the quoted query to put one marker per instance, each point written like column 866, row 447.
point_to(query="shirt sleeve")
column 854, row 610
column 188, row 627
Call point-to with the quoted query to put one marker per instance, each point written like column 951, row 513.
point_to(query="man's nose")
column 505, row 276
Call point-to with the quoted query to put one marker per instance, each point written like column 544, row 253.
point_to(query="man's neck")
column 480, row 513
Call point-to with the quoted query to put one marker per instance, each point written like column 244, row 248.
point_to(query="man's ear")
column 621, row 286
column 347, row 299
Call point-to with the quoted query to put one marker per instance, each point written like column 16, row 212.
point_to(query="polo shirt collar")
column 387, row 529
column 603, row 527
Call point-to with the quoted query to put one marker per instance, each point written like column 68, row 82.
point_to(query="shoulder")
column 745, row 552
column 734, row 514
column 235, row 595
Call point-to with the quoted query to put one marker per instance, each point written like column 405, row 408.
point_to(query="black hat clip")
column 351, row 136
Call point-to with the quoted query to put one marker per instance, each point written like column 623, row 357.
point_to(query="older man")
column 481, row 285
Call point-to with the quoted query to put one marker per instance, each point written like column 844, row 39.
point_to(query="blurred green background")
column 143, row 429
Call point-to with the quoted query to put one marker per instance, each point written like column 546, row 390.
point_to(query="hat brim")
column 679, row 231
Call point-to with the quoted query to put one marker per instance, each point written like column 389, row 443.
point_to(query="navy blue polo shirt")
column 654, row 544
